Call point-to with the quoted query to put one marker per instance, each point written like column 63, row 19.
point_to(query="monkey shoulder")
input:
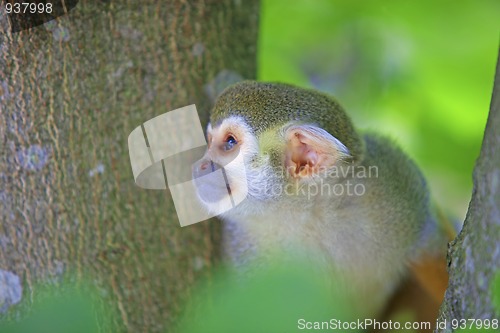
column 398, row 173
column 397, row 199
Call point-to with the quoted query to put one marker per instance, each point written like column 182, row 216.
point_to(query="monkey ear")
column 310, row 149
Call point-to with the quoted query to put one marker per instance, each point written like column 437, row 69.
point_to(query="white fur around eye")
column 260, row 176
column 242, row 132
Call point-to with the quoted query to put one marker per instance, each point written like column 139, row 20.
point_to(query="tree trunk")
column 71, row 91
column 474, row 256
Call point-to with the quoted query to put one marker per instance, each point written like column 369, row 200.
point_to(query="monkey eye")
column 229, row 143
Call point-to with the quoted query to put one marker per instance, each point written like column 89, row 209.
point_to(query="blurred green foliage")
column 62, row 307
column 273, row 300
column 419, row 71
column 268, row 300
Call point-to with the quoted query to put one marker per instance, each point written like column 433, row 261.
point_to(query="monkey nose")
column 203, row 167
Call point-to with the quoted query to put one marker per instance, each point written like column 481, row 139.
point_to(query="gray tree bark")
column 71, row 91
column 474, row 256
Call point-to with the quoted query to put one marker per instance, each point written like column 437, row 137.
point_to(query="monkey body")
column 317, row 190
column 369, row 238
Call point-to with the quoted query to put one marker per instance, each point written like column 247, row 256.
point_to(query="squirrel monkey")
column 352, row 201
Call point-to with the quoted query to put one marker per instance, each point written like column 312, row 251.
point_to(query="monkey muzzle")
column 211, row 181
column 220, row 188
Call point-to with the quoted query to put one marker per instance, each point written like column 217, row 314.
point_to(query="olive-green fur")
column 266, row 105
column 401, row 179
